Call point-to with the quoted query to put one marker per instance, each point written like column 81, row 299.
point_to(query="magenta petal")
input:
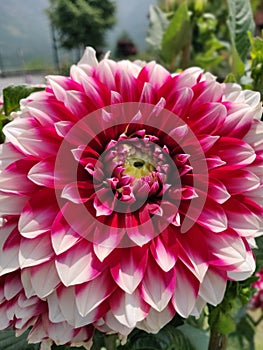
column 238, row 120
column 14, row 178
column 128, row 309
column 8, row 154
column 111, row 323
column 12, row 286
column 227, row 249
column 153, row 73
column 78, row 265
column 156, row 320
column 63, row 237
column 9, row 245
column 42, row 173
column 254, row 137
column 162, row 254
column 78, row 192
column 243, row 270
column 44, row 279
column 11, row 204
column 212, row 216
column 76, row 102
column 104, row 202
column 185, row 281
column 218, row 191
column 241, row 218
column 227, row 147
column 190, row 256
column 183, row 98
column 207, row 118
column 55, row 314
column 107, row 235
column 38, row 214
column 213, row 287
column 241, row 181
column 207, row 91
column 157, row 286
column 66, row 300
column 140, row 229
column 35, row 251
column 129, row 270
column 91, row 294
column 148, row 94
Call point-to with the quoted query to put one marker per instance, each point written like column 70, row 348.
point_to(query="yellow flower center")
column 137, row 167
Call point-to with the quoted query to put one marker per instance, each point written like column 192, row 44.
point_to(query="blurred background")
column 40, row 37
column 30, row 47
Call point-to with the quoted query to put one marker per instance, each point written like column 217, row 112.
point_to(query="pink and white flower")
column 128, row 194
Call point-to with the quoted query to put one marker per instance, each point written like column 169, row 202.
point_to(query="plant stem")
column 218, row 341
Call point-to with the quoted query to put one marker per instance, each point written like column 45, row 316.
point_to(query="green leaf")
column 226, row 324
column 157, row 27
column 168, row 338
column 230, row 78
column 13, row 94
column 177, row 35
column 198, row 338
column 238, row 66
column 244, row 336
column 240, row 22
column 8, row 341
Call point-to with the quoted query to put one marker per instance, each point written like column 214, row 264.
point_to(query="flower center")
column 133, row 168
column 137, row 167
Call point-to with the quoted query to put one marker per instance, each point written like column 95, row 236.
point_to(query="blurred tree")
column 81, row 22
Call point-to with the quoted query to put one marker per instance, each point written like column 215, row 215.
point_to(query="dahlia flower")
column 256, row 301
column 128, row 194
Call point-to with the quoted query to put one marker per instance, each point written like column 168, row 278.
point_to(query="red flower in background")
column 128, row 194
column 256, row 301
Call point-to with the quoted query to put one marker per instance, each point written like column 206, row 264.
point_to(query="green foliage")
column 240, row 22
column 211, row 34
column 169, row 338
column 198, row 337
column 13, row 94
column 158, row 25
column 208, row 47
column 243, row 338
column 174, row 336
column 8, row 341
column 177, row 35
column 257, row 63
column 81, row 22
column 11, row 99
column 230, row 317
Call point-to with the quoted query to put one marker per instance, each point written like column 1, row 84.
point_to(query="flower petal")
column 157, row 286
column 128, row 309
column 91, row 294
column 213, row 287
column 38, row 214
column 78, row 265
column 129, row 270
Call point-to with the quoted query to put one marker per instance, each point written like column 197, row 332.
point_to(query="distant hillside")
column 25, row 36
